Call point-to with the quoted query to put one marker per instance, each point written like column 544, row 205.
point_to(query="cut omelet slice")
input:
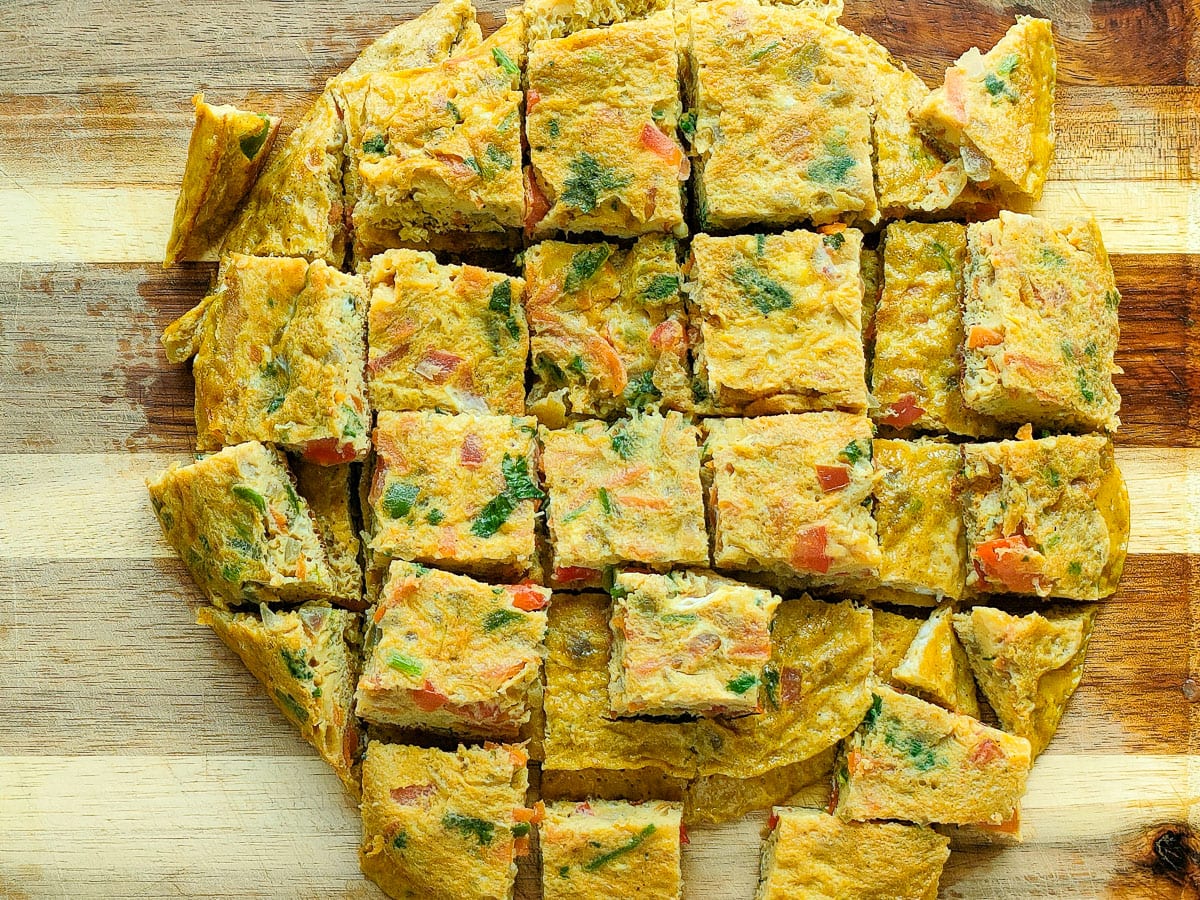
column 1027, row 666
column 935, row 666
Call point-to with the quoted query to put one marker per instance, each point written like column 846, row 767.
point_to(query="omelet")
column 446, row 653
column 917, row 762
column 777, row 321
column 811, row 855
column 280, row 348
column 601, row 849
column 459, row 492
column 307, row 659
column 997, row 109
column 441, row 825
column 545, row 19
column 714, row 799
column 601, row 113
column 935, row 666
column 628, row 492
column 227, row 149
column 892, row 634
column 688, row 642
column 329, row 491
column 916, row 371
column 790, row 496
column 1027, row 666
column 1048, row 517
column 608, row 329
column 452, row 338
column 1040, row 316
column 241, row 528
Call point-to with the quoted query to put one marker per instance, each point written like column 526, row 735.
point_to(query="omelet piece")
column 307, row 659
column 447, row 653
column 545, row 19
column 452, row 338
column 779, row 321
column 601, row 115
column 915, row 761
column 436, row 151
column 782, row 129
column 788, row 495
column 892, row 635
column 458, row 492
column 623, row 493
column 329, row 491
column 1048, row 517
column 935, row 666
column 227, row 149
column 1041, row 324
column 997, row 109
column 811, row 855
column 921, row 536
column 919, row 331
column 713, row 799
column 444, row 826
column 689, row 642
column 1027, row 666
column 608, row 329
column 280, row 348
column 241, row 528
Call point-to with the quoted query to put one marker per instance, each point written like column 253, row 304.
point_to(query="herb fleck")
column 584, row 265
column 742, row 683
column 765, row 293
column 399, row 498
column 469, row 826
column 588, row 180
column 499, row 618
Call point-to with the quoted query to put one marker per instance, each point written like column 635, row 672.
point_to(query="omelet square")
column 601, row 114
column 782, row 130
column 329, row 491
column 811, row 855
column 921, row 535
column 916, row 371
column 915, row 761
column 455, row 491
column 280, row 347
column 789, row 496
column 452, row 338
column 241, row 528
column 688, row 643
column 436, row 151
column 997, row 109
column 1048, row 517
column 1041, row 324
column 225, row 154
column 600, row 849
column 1027, row 666
column 935, row 666
column 628, row 492
column 779, row 321
column 448, row 653
column 307, row 659
column 441, row 825
column 608, row 329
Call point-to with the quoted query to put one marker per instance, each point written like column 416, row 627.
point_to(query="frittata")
column 329, row 491
column 445, row 337
column 779, row 321
column 447, row 653
column 688, row 643
column 935, row 666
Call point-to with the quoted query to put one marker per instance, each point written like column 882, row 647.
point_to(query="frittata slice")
column 227, row 149
column 1027, row 666
column 458, row 492
column 329, row 491
column 307, row 659
column 1041, row 324
column 441, row 825
column 997, row 109
column 447, row 653
column 1048, row 517
column 917, row 762
column 608, row 329
column 779, row 321
column 241, row 528
column 601, row 849
column 935, row 666
column 452, row 338
column 688, row 642
column 628, row 492
column 892, row 634
column 811, row 855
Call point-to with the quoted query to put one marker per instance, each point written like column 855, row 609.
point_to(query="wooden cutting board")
column 139, row 759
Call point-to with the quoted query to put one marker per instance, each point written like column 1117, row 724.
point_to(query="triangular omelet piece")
column 1027, row 666
column 935, row 666
column 307, row 660
column 892, row 635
